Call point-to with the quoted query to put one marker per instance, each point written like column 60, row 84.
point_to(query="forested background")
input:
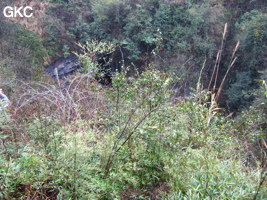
column 170, row 102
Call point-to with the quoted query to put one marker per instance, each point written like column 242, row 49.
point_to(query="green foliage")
column 90, row 51
column 141, row 139
column 22, row 52
column 207, row 177
column 250, row 127
column 252, row 29
column 180, row 27
column 30, row 41
column 134, row 100
column 80, row 31
column 58, row 1
column 238, row 94
column 133, row 139
column 252, row 121
column 66, row 51
column 252, row 33
column 186, row 28
column 188, row 32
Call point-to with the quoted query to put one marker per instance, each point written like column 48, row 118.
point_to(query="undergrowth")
column 134, row 140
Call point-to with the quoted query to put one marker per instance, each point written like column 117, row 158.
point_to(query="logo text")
column 18, row 11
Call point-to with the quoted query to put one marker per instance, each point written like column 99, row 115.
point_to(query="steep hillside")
column 170, row 102
column 176, row 35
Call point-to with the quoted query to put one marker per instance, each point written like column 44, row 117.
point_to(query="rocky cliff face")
column 69, row 65
column 63, row 67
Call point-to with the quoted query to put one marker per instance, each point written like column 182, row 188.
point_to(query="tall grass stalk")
column 232, row 61
column 217, row 62
column 215, row 72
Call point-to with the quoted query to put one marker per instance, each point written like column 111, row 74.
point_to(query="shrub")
column 80, row 140
column 22, row 53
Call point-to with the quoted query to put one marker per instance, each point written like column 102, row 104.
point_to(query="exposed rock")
column 63, row 67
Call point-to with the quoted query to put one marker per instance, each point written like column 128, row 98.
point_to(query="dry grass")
column 215, row 73
column 79, row 97
column 34, row 23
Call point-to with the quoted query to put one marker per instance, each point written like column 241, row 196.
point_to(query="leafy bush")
column 238, row 93
column 77, row 139
column 251, row 30
column 131, row 141
column 22, row 53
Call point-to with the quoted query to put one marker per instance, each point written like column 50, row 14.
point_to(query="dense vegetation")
column 184, row 117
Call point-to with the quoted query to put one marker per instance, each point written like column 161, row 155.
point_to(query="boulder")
column 63, row 67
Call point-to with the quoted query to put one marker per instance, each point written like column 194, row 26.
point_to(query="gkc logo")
column 18, row 11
